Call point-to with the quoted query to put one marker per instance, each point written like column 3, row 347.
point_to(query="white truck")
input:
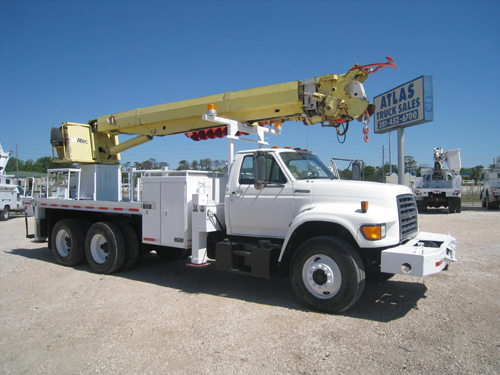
column 10, row 193
column 278, row 212
column 438, row 186
column 490, row 192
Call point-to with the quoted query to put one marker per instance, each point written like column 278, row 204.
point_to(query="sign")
column 406, row 105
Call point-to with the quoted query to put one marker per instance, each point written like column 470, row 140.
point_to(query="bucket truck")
column 490, row 193
column 10, row 193
column 438, row 186
column 278, row 212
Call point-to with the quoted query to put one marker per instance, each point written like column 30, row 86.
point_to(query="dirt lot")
column 165, row 317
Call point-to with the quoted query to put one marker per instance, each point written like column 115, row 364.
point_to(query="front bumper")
column 426, row 254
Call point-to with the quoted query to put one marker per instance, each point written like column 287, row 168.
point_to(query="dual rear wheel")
column 107, row 246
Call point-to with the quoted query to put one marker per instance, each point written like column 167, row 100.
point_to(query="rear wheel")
column 68, row 242
column 327, row 274
column 131, row 245
column 105, row 247
column 454, row 205
column 421, row 206
column 5, row 213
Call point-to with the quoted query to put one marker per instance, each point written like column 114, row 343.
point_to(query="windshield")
column 304, row 165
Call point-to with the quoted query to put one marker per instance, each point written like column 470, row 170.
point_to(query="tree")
column 369, row 173
column 476, row 172
column 346, row 174
column 183, row 165
column 206, row 164
column 410, row 164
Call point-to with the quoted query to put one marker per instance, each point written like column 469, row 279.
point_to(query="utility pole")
column 17, row 163
column 383, row 162
column 390, row 153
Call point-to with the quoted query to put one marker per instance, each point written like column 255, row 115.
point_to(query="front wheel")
column 327, row 274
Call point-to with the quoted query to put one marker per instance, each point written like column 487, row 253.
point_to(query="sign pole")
column 401, row 156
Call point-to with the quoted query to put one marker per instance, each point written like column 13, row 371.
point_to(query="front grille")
column 408, row 218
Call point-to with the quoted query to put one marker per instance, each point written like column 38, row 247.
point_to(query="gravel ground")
column 165, row 317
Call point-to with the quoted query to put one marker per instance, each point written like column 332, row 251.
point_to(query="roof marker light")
column 211, row 110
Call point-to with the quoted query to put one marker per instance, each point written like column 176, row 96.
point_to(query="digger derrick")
column 329, row 99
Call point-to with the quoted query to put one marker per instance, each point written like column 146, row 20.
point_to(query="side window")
column 275, row 174
column 246, row 173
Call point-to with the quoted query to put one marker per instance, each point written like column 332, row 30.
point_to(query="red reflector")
column 149, row 239
column 439, row 263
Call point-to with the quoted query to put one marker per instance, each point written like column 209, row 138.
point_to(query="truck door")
column 260, row 212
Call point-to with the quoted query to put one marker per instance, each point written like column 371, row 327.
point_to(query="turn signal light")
column 373, row 232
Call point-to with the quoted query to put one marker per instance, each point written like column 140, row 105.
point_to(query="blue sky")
column 77, row 60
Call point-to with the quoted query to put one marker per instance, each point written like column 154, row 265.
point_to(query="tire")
column 454, row 205
column 131, row 245
column 68, row 242
column 315, row 261
column 487, row 202
column 5, row 214
column 85, row 223
column 172, row 253
column 105, row 247
column 421, row 207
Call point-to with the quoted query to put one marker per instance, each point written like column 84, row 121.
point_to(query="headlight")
column 373, row 232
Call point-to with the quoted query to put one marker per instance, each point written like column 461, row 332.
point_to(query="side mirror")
column 259, row 169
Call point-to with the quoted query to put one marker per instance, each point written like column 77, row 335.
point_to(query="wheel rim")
column 322, row 276
column 63, row 243
column 99, row 248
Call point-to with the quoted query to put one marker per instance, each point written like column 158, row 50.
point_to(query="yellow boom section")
column 329, row 99
column 275, row 101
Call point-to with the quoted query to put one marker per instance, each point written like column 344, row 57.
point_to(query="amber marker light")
column 373, row 232
column 211, row 110
column 364, row 206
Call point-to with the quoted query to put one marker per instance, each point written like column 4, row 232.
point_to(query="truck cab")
column 328, row 235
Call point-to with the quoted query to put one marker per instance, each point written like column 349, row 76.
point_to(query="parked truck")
column 277, row 212
column 10, row 193
column 438, row 186
column 490, row 192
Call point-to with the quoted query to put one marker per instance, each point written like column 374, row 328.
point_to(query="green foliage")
column 40, row 165
column 206, row 164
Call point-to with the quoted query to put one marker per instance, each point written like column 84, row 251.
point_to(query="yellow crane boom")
column 329, row 99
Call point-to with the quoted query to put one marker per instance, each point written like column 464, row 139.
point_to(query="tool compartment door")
column 174, row 214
